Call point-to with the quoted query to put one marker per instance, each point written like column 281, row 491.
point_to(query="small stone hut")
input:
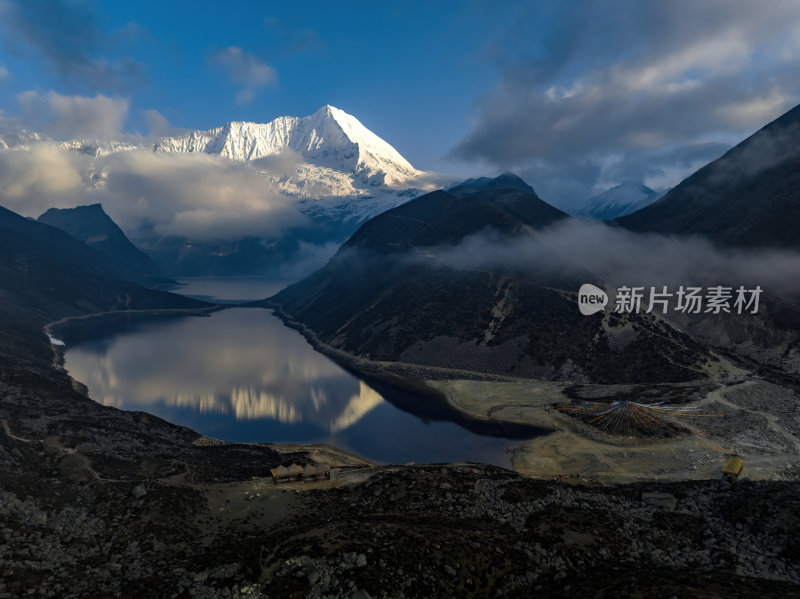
column 295, row 473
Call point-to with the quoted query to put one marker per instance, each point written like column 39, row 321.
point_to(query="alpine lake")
column 241, row 375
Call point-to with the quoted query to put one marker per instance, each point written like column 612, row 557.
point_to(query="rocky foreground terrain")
column 96, row 502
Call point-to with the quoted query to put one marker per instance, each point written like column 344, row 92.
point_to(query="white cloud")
column 621, row 257
column 3, row 73
column 158, row 127
column 156, row 122
column 619, row 78
column 246, row 70
column 40, row 178
column 756, row 109
column 245, row 96
column 198, row 196
column 726, row 51
column 64, row 117
column 283, row 164
column 68, row 36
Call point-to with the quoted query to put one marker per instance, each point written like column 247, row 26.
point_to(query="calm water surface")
column 241, row 375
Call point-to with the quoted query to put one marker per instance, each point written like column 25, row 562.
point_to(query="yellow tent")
column 733, row 466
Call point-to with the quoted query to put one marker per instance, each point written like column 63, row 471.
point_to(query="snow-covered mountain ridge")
column 330, row 163
column 329, row 138
column 243, row 198
column 620, row 200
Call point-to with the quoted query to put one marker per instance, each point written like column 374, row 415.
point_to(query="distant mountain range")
column 334, row 165
column 620, row 200
column 390, row 293
column 385, row 296
column 388, row 296
column 341, row 174
column 337, row 171
column 749, row 197
column 20, row 139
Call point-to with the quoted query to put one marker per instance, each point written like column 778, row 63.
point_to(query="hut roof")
column 279, row 471
column 310, row 469
column 295, row 469
column 323, row 468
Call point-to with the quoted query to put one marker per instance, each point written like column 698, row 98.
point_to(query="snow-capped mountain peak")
column 336, row 171
column 22, row 139
column 329, row 138
column 618, row 201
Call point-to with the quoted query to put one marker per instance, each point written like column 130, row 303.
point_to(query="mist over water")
column 241, row 375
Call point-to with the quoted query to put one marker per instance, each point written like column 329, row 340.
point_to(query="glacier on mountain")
column 340, row 169
column 329, row 138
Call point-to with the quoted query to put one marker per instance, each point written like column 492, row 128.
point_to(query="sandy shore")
column 762, row 433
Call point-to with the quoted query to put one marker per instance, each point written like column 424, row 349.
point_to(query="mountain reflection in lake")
column 241, row 375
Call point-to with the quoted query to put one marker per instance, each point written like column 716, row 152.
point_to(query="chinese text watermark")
column 662, row 300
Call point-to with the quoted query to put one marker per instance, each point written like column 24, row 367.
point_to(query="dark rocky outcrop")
column 92, row 226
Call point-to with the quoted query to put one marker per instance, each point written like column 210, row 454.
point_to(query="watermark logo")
column 685, row 299
column 591, row 299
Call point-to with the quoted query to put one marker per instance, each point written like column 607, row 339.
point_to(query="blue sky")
column 410, row 73
column 575, row 96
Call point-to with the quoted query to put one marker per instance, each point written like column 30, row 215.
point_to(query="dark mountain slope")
column 386, row 296
column 92, row 226
column 505, row 204
column 749, row 197
column 46, row 274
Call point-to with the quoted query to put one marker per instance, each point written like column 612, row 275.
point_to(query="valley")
column 242, row 376
column 247, row 354
column 746, row 427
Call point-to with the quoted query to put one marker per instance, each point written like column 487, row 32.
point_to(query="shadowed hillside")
column 386, row 296
column 748, row 197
